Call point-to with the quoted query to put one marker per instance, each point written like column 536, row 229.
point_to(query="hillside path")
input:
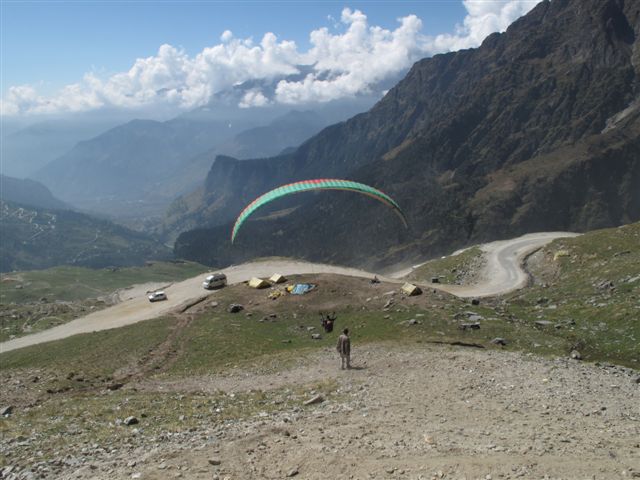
column 503, row 273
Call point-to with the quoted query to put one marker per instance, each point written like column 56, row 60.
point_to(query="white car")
column 157, row 296
column 217, row 280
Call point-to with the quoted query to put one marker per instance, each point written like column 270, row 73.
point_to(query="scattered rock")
column 213, row 304
column 469, row 326
column 293, row 472
column 605, row 285
column 316, row 336
column 6, row 411
column 499, row 341
column 130, row 420
column 115, row 386
column 475, row 301
column 286, row 341
column 235, row 308
column 575, row 355
column 543, row 323
column 435, row 280
column 413, row 321
column 215, row 461
column 314, row 400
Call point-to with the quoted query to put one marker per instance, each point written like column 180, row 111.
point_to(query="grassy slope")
column 589, row 289
column 78, row 283
column 26, row 297
column 602, row 323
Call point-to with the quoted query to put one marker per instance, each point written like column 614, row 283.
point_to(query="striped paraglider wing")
column 317, row 184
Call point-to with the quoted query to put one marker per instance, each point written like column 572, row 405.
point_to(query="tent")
column 411, row 289
column 277, row 278
column 256, row 282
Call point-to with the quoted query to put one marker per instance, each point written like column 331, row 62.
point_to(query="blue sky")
column 48, row 46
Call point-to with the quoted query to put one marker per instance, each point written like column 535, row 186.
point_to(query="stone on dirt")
column 543, row 323
column 575, row 355
column 314, row 400
column 130, row 420
column 4, row 411
column 235, row 308
column 469, row 326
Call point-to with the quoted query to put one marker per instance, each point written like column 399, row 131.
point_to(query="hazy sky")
column 63, row 56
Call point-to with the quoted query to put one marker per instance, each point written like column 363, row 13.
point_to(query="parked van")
column 217, row 280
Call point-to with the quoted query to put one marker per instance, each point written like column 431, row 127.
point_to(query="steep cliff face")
column 537, row 129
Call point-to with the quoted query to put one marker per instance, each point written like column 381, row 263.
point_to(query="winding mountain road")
column 502, row 274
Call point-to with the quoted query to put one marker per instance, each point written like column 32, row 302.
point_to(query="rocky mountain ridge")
column 537, row 129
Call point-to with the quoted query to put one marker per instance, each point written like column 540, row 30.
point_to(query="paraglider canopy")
column 317, row 184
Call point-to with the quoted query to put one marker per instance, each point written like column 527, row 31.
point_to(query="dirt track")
column 503, row 273
column 417, row 412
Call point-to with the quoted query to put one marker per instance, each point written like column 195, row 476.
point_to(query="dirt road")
column 135, row 307
column 503, row 273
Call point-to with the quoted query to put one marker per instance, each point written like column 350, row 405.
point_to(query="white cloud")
column 253, row 98
column 343, row 64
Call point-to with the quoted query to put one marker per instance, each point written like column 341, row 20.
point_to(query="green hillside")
column 34, row 238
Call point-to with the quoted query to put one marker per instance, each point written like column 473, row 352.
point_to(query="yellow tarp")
column 411, row 289
column 256, row 282
column 277, row 278
column 560, row 253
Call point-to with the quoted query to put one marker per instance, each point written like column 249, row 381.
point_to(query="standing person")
column 344, row 349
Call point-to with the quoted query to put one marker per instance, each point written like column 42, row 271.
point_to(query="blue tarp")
column 302, row 288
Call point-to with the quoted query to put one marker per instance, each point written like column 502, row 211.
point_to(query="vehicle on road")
column 157, row 296
column 216, row 280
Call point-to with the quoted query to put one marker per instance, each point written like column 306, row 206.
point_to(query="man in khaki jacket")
column 344, row 349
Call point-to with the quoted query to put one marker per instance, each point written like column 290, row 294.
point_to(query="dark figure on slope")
column 344, row 349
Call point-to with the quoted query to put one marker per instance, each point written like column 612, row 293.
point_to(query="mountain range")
column 134, row 171
column 40, row 231
column 537, row 129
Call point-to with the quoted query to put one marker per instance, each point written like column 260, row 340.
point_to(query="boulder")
column 130, row 420
column 5, row 411
column 314, row 400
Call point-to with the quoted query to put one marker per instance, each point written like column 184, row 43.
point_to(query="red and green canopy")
column 318, row 184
